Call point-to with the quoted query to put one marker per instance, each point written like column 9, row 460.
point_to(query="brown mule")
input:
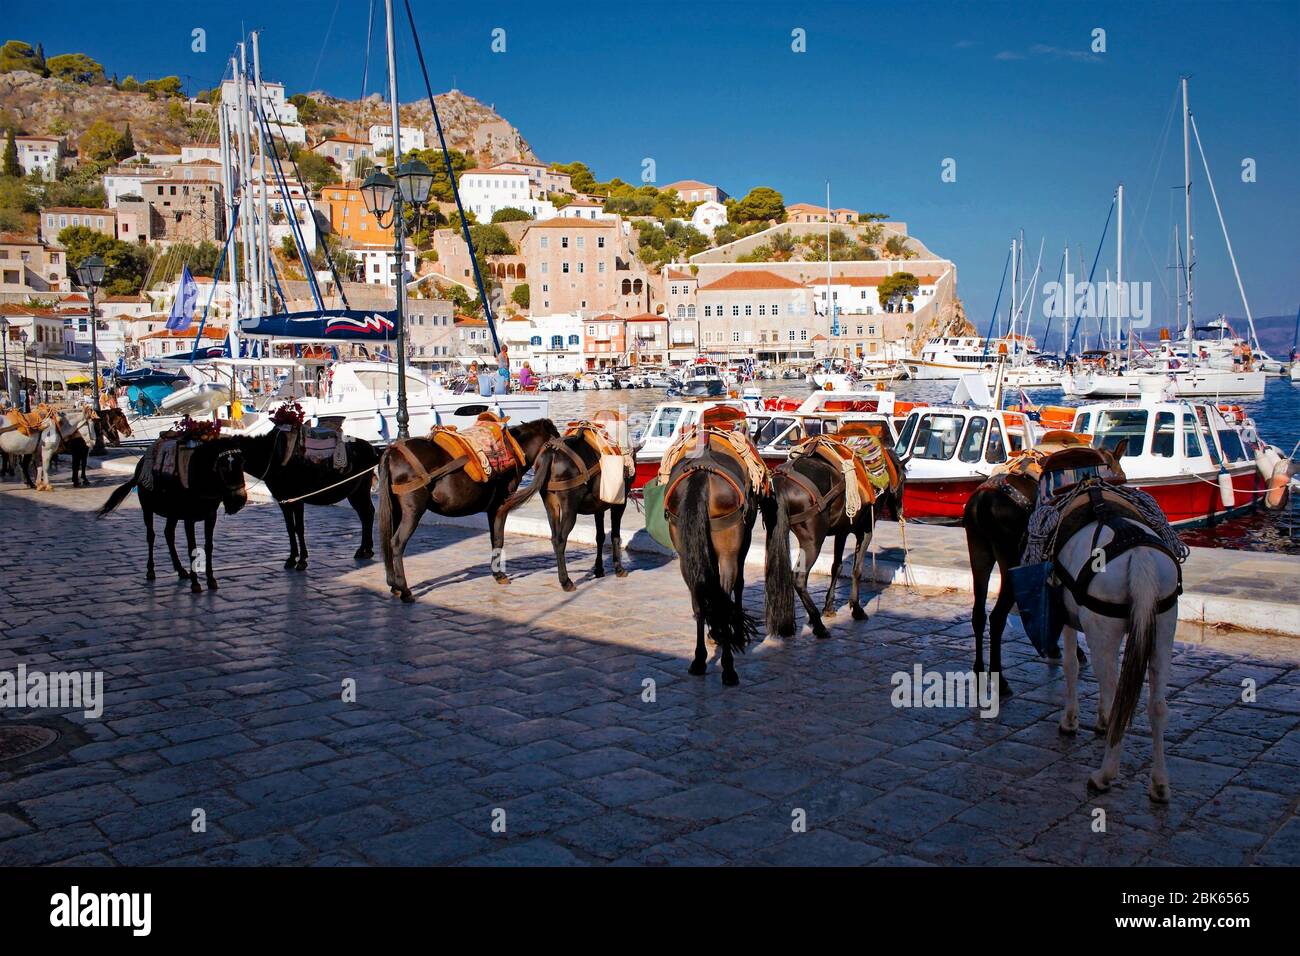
column 419, row 475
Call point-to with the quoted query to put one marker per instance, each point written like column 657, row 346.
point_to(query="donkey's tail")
column 1143, row 589
column 780, row 574
column 541, row 474
column 120, row 492
column 385, row 510
column 728, row 625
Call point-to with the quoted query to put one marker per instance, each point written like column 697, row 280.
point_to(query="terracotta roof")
column 52, row 139
column 678, row 276
column 9, row 308
column 125, row 298
column 209, row 332
column 756, row 279
column 18, row 239
column 80, row 209
column 646, row 317
column 868, row 280
column 688, row 184
column 469, row 320
column 583, row 202
column 819, row 337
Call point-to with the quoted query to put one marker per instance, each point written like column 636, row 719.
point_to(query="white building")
column 585, row 209
column 193, row 152
column 278, row 110
column 279, row 210
column 708, row 216
column 378, row 263
column 487, row 191
column 39, row 154
column 554, row 344
column 859, row 295
column 381, row 138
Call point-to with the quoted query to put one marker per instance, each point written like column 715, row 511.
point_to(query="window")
column 973, row 443
column 749, row 310
column 936, row 438
column 545, row 244
column 1113, row 425
column 600, row 242
column 735, row 336
column 997, row 450
column 1162, row 437
column 735, row 310
column 1191, row 440
column 803, row 335
column 564, row 242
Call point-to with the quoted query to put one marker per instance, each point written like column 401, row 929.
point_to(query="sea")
column 1276, row 415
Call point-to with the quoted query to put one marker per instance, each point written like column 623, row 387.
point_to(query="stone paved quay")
column 529, row 700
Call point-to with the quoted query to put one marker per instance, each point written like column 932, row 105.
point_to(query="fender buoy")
column 1226, row 496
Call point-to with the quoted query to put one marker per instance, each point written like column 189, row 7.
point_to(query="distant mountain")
column 1276, row 332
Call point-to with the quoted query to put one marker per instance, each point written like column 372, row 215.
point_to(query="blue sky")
column 1040, row 128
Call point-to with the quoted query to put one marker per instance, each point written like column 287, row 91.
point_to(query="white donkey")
column 1120, row 578
column 40, row 445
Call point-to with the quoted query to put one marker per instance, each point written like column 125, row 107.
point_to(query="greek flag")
column 187, row 299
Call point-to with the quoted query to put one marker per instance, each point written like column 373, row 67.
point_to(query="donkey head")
column 229, row 471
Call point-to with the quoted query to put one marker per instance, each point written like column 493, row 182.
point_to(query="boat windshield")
column 665, row 423
column 905, row 437
column 973, row 443
column 1114, row 425
column 769, row 429
column 936, row 438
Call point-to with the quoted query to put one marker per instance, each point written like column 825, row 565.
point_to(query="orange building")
column 605, row 341
column 348, row 219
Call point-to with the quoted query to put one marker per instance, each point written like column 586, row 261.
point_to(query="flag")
column 187, row 299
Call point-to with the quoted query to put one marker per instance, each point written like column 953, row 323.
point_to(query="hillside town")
column 583, row 275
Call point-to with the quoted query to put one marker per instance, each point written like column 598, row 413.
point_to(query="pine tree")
column 11, row 167
column 40, row 60
column 127, row 147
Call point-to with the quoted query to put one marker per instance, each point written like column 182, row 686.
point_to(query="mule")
column 1137, row 594
column 445, row 489
column 216, row 478
column 711, row 512
column 38, row 446
column 294, row 482
column 568, row 473
column 808, row 498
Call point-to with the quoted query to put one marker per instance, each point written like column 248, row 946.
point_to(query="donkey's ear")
column 1121, row 448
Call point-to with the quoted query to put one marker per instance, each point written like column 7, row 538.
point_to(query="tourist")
column 526, row 378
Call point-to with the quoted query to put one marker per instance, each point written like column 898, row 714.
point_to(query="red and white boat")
column 1197, row 459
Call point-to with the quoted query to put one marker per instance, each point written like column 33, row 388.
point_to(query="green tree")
column 317, row 170
column 165, row 86
column 126, row 263
column 896, row 246
column 579, row 175
column 76, row 67
column 491, row 240
column 510, row 214
column 17, row 56
column 897, row 288
column 11, row 167
column 760, row 204
column 130, row 85
column 872, row 216
column 126, row 147
column 101, row 140
column 520, row 296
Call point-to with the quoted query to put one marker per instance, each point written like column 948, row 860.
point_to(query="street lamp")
column 27, row 401
column 91, row 275
column 4, row 344
column 384, row 197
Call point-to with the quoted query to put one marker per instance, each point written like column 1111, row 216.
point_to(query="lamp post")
column 22, row 385
column 4, row 344
column 385, row 196
column 91, row 274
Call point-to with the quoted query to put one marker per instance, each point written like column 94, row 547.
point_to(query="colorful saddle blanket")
column 487, row 446
column 858, row 487
column 727, row 441
column 326, row 445
column 167, row 459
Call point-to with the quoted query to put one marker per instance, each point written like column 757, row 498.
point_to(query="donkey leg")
column 401, row 536
column 837, row 560
column 148, row 537
column 1157, row 708
column 997, row 624
column 195, row 587
column 1070, row 715
column 616, row 539
column 728, row 576
column 300, row 522
column 292, row 560
column 365, row 509
column 599, row 569
column 810, row 547
column 497, row 533
column 169, row 532
column 700, row 663
column 561, row 527
column 209, row 524
column 1105, row 664
column 859, row 565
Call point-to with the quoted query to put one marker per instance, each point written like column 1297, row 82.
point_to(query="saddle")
column 856, row 483
column 487, row 446
column 167, row 459
column 326, row 445
column 698, row 439
column 27, row 423
column 616, row 465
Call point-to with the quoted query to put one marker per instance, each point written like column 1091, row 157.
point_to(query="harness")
column 584, row 471
column 1127, row 537
column 721, row 521
column 423, row 477
column 819, row 501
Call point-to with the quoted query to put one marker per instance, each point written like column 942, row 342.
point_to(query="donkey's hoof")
column 1097, row 783
column 1158, row 792
column 620, row 572
column 829, row 612
column 1068, row 728
column 196, row 588
column 568, row 585
column 821, row 633
column 698, row 668
column 363, row 553
column 212, row 585
column 407, row 597
column 858, row 613
column 290, row 563
column 149, row 575
column 500, row 578
column 598, row 571
column 730, row 678
column 301, row 565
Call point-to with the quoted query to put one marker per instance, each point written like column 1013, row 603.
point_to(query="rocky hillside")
column 41, row 105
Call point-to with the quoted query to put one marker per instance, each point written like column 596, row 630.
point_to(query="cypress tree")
column 11, row 167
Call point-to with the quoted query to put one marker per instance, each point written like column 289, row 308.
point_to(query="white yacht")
column 951, row 357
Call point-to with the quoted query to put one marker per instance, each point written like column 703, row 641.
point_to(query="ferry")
column 951, row 357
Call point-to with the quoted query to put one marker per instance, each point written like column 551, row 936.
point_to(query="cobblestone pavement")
column 527, row 700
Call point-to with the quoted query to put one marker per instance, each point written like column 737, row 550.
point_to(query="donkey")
column 270, row 458
column 808, row 497
column 444, row 488
column 711, row 511
column 1136, row 593
column 568, row 469
column 996, row 520
column 38, row 446
column 216, row 477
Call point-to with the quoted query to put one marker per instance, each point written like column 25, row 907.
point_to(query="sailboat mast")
column 830, row 296
column 1119, row 265
column 228, row 178
column 245, row 174
column 264, row 239
column 1187, row 206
